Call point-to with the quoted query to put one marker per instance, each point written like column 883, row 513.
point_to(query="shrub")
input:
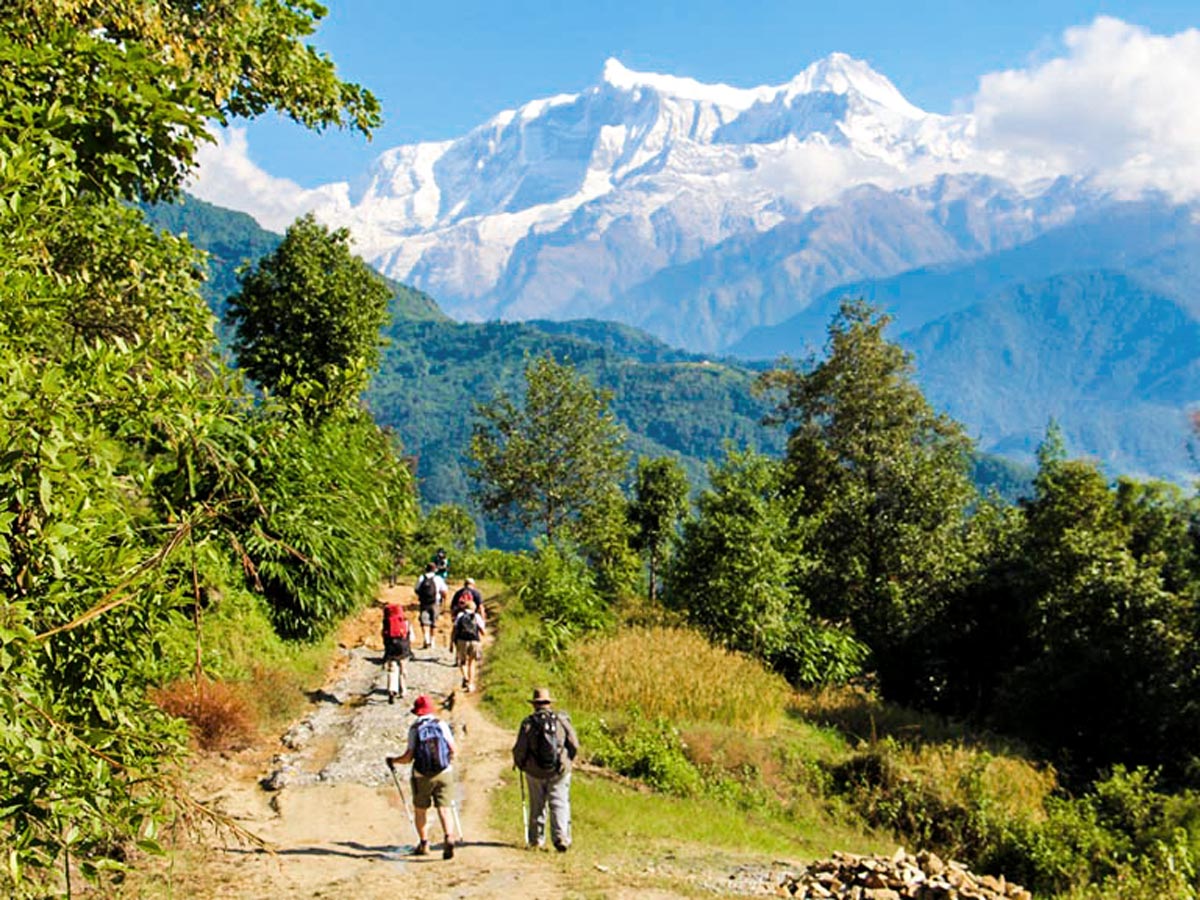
column 217, row 712
column 651, row 750
column 560, row 590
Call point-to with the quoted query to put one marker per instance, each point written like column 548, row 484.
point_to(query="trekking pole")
column 457, row 820
column 524, row 807
column 404, row 800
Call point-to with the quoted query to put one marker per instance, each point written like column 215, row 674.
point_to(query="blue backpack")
column 432, row 753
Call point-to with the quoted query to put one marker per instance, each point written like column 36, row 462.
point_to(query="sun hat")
column 469, row 581
column 541, row 696
column 423, row 706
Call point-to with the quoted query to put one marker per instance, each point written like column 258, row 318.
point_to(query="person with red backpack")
column 397, row 647
column 430, row 750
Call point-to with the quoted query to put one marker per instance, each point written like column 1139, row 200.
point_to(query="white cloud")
column 1119, row 104
column 227, row 176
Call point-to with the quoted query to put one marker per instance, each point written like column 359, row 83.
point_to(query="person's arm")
column 570, row 739
column 520, row 748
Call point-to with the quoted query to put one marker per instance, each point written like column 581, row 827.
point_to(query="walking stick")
column 457, row 820
column 524, row 807
column 404, row 800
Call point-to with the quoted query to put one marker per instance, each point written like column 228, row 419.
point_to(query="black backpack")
column 432, row 753
column 466, row 627
column 427, row 591
column 544, row 747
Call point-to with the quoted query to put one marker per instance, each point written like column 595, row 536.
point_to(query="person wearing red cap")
column 430, row 750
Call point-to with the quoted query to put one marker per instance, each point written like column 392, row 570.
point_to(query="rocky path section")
column 329, row 808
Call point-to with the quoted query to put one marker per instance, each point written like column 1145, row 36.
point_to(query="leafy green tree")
column 119, row 477
column 551, row 461
column 308, row 319
column 1112, row 672
column 882, row 477
column 734, row 575
column 660, row 501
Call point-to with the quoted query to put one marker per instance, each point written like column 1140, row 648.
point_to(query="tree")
column 735, row 575
column 308, row 319
column 882, row 476
column 661, row 494
column 553, row 460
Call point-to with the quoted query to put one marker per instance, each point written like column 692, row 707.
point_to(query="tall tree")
column 307, row 319
column 551, row 461
column 880, row 473
column 660, row 500
column 735, row 575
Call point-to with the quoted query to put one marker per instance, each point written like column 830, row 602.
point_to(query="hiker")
column 546, row 745
column 430, row 750
column 441, row 564
column 431, row 592
column 467, row 593
column 397, row 647
column 467, row 635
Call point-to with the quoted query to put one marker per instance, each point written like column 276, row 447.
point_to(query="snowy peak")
column 620, row 78
column 840, row 73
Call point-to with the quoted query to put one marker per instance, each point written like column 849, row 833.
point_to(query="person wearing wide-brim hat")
column 545, row 748
column 430, row 749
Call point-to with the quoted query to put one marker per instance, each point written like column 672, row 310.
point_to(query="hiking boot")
column 561, row 847
column 422, row 849
column 448, row 850
column 466, row 684
column 391, row 696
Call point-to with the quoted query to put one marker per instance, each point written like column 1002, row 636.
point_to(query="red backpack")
column 394, row 623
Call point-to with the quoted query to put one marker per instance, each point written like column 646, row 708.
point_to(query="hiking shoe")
column 448, row 850
column 466, row 684
column 561, row 847
column 391, row 696
column 422, row 849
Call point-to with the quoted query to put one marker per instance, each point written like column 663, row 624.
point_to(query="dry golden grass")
column 676, row 673
column 217, row 711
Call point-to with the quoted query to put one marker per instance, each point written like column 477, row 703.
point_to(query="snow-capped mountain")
column 573, row 205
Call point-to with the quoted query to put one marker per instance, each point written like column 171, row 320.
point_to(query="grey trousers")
column 554, row 793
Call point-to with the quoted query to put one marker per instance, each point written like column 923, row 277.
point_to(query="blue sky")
column 441, row 68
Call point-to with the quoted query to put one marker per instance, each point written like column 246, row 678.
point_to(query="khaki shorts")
column 431, row 790
column 468, row 650
column 429, row 615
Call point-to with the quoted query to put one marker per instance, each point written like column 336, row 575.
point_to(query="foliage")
column 121, row 483
column 660, row 500
column 735, row 571
column 649, row 750
column 560, row 589
column 552, row 460
column 882, row 479
column 319, row 538
column 307, row 319
column 448, row 526
column 218, row 713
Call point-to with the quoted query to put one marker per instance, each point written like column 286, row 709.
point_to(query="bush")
column 217, row 712
column 650, row 750
column 560, row 590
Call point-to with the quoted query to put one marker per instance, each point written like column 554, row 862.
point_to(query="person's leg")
column 460, row 652
column 420, row 790
column 537, row 811
column 559, row 790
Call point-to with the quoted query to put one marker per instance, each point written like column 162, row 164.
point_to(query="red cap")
column 423, row 706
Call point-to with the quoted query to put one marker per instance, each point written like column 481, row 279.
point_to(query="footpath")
column 330, row 810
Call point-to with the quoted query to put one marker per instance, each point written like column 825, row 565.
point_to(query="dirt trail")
column 336, row 821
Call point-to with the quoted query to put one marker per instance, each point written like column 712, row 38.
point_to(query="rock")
column 847, row 876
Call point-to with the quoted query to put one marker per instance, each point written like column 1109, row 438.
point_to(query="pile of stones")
column 923, row 876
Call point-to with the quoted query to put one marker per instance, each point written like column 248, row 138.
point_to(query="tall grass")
column 676, row 674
